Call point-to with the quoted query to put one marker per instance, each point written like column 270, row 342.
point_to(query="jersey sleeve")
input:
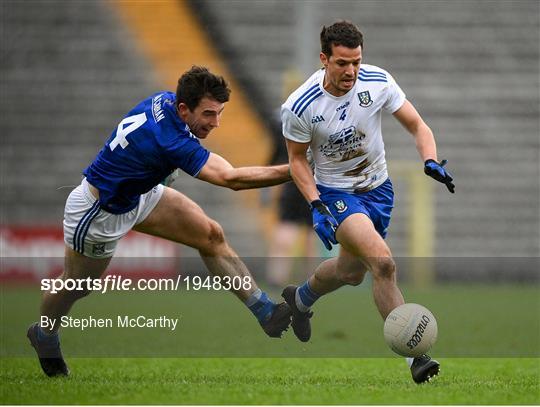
column 183, row 151
column 395, row 96
column 294, row 128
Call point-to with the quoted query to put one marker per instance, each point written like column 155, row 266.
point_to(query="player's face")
column 341, row 69
column 204, row 118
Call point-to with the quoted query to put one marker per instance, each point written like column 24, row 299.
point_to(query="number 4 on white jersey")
column 133, row 123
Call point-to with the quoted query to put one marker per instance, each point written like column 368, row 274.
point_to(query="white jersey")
column 344, row 132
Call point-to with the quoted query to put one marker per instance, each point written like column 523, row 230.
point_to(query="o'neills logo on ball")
column 420, row 329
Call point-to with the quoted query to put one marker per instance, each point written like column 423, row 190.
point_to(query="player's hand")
column 437, row 172
column 324, row 223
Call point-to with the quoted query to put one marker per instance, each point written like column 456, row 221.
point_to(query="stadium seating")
column 471, row 68
column 70, row 71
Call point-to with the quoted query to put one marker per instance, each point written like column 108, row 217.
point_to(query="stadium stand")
column 472, row 70
column 69, row 72
column 67, row 76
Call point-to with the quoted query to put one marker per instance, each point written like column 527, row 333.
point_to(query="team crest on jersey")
column 98, row 249
column 340, row 205
column 365, row 98
column 343, row 145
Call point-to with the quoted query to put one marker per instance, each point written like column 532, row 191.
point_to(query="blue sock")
column 305, row 297
column 260, row 305
column 47, row 338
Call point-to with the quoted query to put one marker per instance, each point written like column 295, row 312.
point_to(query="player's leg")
column 359, row 237
column 362, row 242
column 346, row 269
column 179, row 219
column 76, row 266
column 362, row 248
column 44, row 338
column 91, row 236
column 81, row 215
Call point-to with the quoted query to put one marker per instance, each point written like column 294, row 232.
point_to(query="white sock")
column 299, row 304
column 409, row 361
column 254, row 297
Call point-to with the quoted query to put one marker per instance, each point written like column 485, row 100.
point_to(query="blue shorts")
column 377, row 204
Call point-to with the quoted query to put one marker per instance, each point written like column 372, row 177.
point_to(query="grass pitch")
column 488, row 348
column 270, row 381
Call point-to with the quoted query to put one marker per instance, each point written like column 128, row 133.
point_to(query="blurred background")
column 70, row 70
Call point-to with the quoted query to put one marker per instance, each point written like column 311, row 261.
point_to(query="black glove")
column 437, row 172
column 324, row 223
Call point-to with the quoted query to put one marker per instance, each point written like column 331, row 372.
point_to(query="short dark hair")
column 340, row 33
column 199, row 82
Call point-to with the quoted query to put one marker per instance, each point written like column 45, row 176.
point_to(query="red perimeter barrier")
column 30, row 253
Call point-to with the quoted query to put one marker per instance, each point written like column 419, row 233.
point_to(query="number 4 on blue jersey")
column 133, row 123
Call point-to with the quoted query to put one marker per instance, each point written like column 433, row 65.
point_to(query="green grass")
column 474, row 321
column 489, row 346
column 270, row 381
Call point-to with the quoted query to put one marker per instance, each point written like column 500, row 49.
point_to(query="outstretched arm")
column 425, row 144
column 423, row 136
column 219, row 171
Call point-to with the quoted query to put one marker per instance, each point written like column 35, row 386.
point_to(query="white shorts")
column 94, row 232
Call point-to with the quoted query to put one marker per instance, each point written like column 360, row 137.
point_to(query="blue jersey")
column 148, row 145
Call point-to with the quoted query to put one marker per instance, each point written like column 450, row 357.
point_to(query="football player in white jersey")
column 337, row 112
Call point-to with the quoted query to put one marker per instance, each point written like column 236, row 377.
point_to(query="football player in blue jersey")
column 337, row 112
column 121, row 191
